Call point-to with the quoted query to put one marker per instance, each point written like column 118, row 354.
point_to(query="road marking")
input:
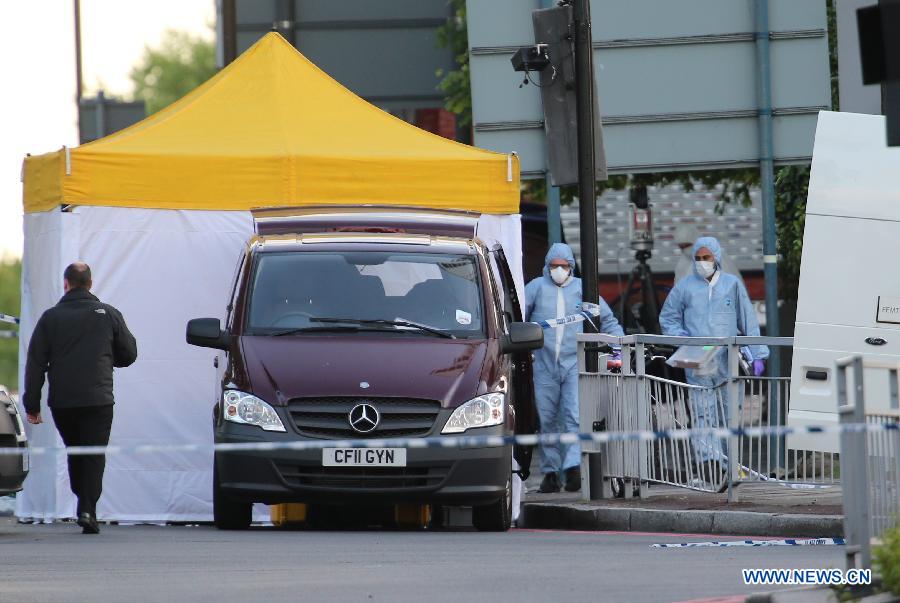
column 655, row 534
column 725, row 599
column 758, row 542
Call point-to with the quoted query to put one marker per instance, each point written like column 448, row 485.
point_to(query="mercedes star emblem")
column 363, row 417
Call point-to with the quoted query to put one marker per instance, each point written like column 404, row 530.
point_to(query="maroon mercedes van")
column 349, row 323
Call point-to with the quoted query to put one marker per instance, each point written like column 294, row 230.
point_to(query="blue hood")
column 558, row 251
column 711, row 243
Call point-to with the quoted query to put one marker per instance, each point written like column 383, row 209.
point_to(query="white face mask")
column 559, row 275
column 706, row 269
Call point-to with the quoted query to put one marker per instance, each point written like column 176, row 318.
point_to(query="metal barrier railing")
column 870, row 461
column 636, row 400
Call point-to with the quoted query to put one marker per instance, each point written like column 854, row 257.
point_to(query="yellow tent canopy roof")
column 272, row 129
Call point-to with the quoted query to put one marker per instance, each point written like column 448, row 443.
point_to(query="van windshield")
column 306, row 291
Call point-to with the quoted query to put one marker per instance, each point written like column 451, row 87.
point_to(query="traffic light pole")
column 587, row 198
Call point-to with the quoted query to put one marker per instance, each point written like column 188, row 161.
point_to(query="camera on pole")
column 571, row 117
column 643, row 318
column 552, row 58
column 531, row 58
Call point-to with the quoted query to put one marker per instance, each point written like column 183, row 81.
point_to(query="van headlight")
column 239, row 407
column 482, row 411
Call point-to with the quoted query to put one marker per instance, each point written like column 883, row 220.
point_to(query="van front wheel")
column 229, row 514
column 495, row 517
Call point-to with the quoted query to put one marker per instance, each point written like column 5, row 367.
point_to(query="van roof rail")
column 374, row 219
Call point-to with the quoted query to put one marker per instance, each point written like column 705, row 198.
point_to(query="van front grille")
column 329, row 417
column 363, row 477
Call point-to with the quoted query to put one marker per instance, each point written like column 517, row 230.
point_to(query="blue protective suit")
column 716, row 308
column 556, row 364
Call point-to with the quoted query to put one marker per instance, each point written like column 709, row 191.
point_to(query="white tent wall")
column 160, row 268
column 51, row 243
column 506, row 230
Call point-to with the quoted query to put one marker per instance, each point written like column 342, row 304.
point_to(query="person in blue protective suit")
column 711, row 303
column 554, row 295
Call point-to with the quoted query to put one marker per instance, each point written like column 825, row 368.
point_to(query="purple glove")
column 615, row 360
column 759, row 367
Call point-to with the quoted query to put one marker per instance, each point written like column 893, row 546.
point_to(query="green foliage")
column 164, row 74
column 10, row 282
column 736, row 185
column 455, row 84
column 886, row 560
column 791, row 188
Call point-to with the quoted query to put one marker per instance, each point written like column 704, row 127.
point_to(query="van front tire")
column 229, row 514
column 497, row 516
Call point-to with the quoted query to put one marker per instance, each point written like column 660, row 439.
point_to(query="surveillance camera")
column 531, row 58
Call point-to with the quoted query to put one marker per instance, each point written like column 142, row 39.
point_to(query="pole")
column 890, row 91
column 554, row 219
column 100, row 115
column 767, row 178
column 78, row 77
column 587, row 199
column 229, row 32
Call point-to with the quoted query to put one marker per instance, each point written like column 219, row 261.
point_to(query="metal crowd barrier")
column 637, row 400
column 870, row 461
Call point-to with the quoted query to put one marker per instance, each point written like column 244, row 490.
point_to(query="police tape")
column 9, row 319
column 588, row 312
column 494, row 441
column 729, row 543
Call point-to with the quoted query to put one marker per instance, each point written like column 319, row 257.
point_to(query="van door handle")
column 817, row 375
column 216, row 362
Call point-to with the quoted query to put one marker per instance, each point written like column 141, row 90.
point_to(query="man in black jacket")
column 77, row 343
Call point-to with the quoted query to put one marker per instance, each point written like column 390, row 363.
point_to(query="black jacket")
column 77, row 343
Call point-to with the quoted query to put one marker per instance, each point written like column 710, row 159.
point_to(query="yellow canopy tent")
column 272, row 129
column 269, row 130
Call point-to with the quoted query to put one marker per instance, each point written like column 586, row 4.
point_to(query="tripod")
column 641, row 278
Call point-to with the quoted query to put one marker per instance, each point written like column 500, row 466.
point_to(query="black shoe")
column 550, row 483
column 573, row 479
column 723, row 473
column 718, row 476
column 88, row 523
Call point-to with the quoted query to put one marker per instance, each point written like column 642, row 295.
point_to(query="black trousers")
column 85, row 426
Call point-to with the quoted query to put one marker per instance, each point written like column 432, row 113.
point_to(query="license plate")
column 364, row 457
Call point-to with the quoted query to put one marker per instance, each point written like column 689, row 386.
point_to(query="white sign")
column 677, row 91
column 888, row 310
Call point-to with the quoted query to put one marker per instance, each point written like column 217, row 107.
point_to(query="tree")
column 455, row 84
column 164, row 74
column 10, row 280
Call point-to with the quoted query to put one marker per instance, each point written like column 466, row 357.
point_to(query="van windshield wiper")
column 333, row 329
column 384, row 321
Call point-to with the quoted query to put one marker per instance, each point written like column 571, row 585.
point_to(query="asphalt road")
column 41, row 563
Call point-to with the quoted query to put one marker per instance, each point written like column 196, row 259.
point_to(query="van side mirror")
column 207, row 333
column 523, row 337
